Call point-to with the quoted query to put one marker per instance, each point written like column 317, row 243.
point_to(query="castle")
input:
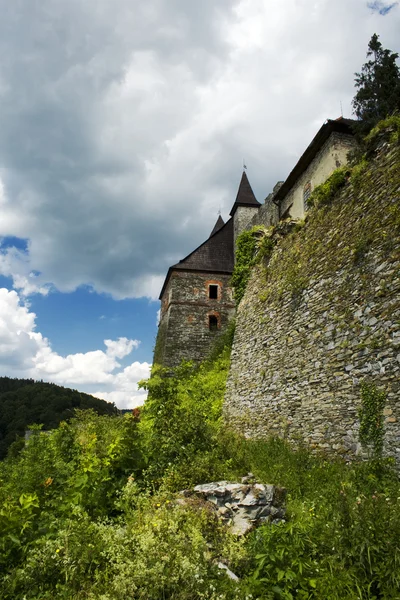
column 197, row 298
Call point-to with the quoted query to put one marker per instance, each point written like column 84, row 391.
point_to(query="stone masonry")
column 184, row 332
column 322, row 317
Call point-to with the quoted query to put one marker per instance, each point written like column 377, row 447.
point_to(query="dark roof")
column 220, row 223
column 340, row 125
column 215, row 255
column 245, row 195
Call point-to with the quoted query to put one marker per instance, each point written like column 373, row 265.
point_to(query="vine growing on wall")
column 324, row 193
column 371, row 417
column 252, row 246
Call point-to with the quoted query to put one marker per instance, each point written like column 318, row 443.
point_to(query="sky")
column 123, row 130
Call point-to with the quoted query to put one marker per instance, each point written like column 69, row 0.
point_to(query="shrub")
column 323, row 194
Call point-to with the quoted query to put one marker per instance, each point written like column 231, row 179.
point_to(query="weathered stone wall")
column 184, row 324
column 267, row 214
column 322, row 317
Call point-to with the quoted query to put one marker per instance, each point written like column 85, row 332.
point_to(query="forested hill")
column 25, row 401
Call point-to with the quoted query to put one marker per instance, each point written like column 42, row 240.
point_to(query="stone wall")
column 322, row 317
column 184, row 332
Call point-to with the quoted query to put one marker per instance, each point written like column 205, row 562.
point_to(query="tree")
column 378, row 85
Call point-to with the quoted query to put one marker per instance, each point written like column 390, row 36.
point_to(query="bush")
column 323, row 194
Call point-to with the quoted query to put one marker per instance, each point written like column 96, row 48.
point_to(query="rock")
column 244, row 505
column 249, row 478
column 241, row 524
column 230, row 573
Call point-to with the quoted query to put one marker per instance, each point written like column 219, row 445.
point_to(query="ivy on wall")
column 371, row 417
column 324, row 193
column 252, row 247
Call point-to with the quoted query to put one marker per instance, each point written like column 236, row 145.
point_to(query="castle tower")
column 245, row 207
column 196, row 300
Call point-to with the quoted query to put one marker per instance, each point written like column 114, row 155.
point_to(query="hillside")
column 316, row 354
column 24, row 402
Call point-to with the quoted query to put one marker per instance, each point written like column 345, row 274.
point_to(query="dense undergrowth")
column 90, row 509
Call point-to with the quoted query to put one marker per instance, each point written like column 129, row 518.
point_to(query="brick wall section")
column 298, row 361
column 183, row 330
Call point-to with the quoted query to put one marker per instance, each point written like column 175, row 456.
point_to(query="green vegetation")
column 25, row 401
column 378, row 86
column 252, row 247
column 391, row 124
column 324, row 193
column 352, row 213
column 89, row 510
column 371, row 417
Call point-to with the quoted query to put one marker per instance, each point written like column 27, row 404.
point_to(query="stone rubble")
column 242, row 506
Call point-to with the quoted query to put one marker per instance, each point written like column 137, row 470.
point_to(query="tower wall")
column 184, row 332
column 241, row 219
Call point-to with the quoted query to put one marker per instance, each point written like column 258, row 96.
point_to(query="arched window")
column 212, row 322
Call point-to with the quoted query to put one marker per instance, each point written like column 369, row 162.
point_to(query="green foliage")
column 371, row 417
column 323, row 194
column 25, row 401
column 378, row 86
column 181, row 420
column 73, row 538
column 390, row 124
column 89, row 510
column 244, row 260
column 357, row 173
column 252, row 247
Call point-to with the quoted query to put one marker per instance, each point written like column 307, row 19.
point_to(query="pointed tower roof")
column 220, row 223
column 245, row 195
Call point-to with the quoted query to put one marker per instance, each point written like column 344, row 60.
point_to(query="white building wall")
column 332, row 155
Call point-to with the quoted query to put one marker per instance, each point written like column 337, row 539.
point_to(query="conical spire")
column 245, row 195
column 220, row 223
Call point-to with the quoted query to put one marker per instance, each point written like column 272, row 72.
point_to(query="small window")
column 212, row 323
column 306, row 194
column 213, row 292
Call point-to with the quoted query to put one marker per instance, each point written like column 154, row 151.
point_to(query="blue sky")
column 124, row 126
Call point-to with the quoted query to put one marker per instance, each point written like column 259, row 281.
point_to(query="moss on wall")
column 323, row 314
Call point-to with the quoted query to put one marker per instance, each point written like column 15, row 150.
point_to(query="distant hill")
column 25, row 401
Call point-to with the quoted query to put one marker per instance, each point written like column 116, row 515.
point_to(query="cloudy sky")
column 123, row 129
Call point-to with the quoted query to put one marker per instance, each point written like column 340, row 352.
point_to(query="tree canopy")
column 378, row 85
column 25, row 401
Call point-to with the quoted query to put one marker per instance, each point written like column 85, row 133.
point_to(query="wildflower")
column 48, row 481
column 58, row 550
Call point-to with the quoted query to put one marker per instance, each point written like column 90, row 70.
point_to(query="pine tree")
column 378, row 85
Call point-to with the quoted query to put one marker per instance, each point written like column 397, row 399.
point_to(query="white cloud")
column 24, row 352
column 123, row 131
